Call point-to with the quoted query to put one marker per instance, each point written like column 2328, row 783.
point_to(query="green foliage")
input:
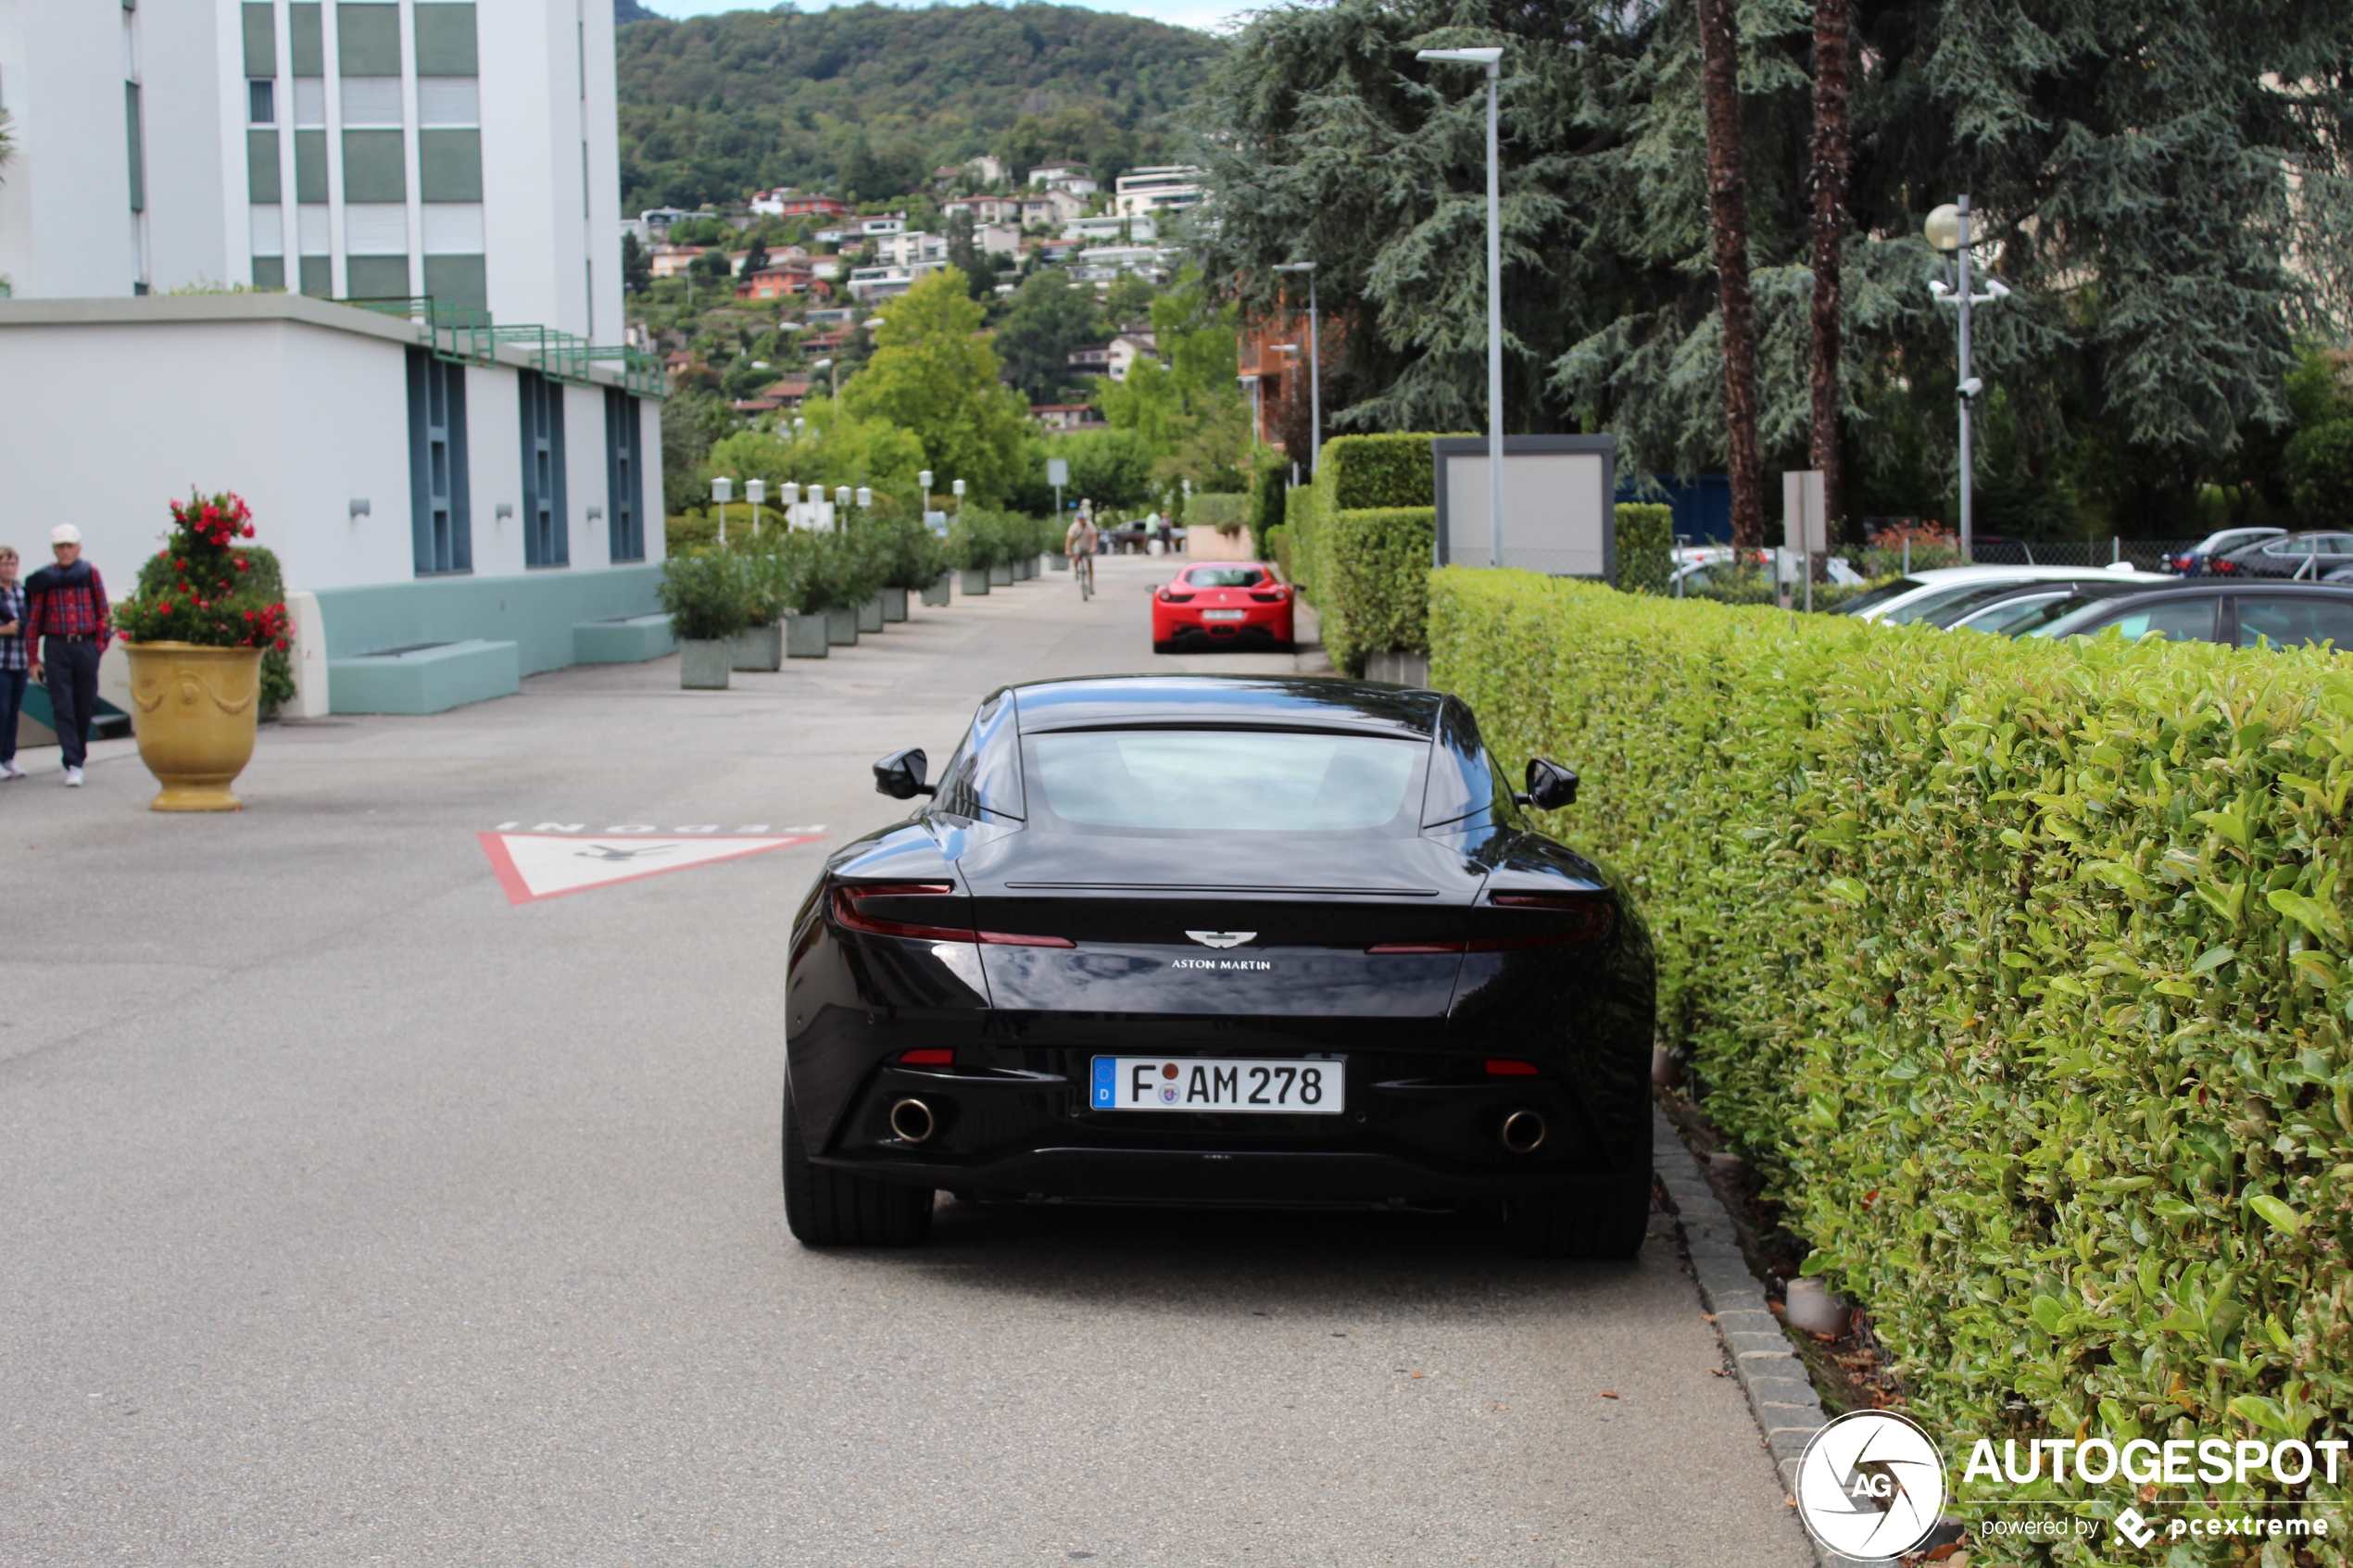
column 980, row 538
column 911, row 555
column 1224, row 513
column 871, row 98
column 1111, row 468
column 262, row 580
column 1275, row 546
column 205, row 589
column 1364, row 472
column 710, row 597
column 2137, row 358
column 1190, row 410
column 1645, row 546
column 1047, row 318
column 2020, row 970
column 1372, row 593
column 2320, row 467
column 836, row 448
column 934, row 375
column 1269, row 479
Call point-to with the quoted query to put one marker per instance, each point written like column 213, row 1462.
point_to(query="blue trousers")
column 72, row 679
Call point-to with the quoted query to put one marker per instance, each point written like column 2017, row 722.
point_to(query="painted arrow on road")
column 532, row 866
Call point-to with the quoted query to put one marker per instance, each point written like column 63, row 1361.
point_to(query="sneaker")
column 73, row 778
column 8, row 770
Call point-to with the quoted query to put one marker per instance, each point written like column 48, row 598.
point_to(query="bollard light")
column 755, row 490
column 842, row 494
column 924, row 478
column 788, row 495
column 723, row 490
column 865, row 497
column 958, row 488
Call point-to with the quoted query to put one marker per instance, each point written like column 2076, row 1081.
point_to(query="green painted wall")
column 270, row 272
column 376, row 167
column 262, row 165
column 261, row 40
column 376, row 277
column 368, row 38
column 459, row 280
column 536, row 612
column 307, row 35
column 449, row 166
column 445, row 40
column 310, row 166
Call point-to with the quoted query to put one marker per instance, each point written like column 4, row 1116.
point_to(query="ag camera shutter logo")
column 1872, row 1484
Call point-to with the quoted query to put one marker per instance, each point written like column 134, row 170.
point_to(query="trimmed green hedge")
column 1376, row 583
column 1364, row 473
column 1645, row 546
column 2021, row 970
column 1269, row 479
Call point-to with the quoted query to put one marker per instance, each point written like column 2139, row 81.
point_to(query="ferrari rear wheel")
column 1606, row 1218
column 828, row 1208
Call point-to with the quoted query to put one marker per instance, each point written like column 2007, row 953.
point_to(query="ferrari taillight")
column 940, row 1057
column 1502, row 1067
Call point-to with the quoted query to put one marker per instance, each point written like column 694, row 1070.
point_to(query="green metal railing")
column 464, row 335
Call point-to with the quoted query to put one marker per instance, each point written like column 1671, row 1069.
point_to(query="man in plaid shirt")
column 67, row 626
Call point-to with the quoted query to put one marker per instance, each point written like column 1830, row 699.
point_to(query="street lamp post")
column 1947, row 230
column 958, row 490
column 755, row 492
column 1314, row 369
column 924, row 478
column 1490, row 58
column 723, row 490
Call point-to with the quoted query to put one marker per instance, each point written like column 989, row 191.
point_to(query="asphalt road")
column 350, row 1213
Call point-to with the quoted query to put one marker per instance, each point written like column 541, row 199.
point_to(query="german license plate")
column 1224, row 614
column 1222, row 1084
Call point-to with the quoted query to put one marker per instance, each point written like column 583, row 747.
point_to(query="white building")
column 1146, row 190
column 1061, row 175
column 1103, row 264
column 1113, row 228
column 1128, row 347
column 366, row 149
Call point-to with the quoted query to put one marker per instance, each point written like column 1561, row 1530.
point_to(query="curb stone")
column 1780, row 1395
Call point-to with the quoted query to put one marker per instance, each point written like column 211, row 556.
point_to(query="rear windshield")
column 1877, row 596
column 1227, row 781
column 1223, row 577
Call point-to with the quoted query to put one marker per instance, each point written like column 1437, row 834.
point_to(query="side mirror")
column 1550, row 786
column 900, row 774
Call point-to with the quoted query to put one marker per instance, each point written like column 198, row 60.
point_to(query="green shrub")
column 1275, row 546
column 1226, row 514
column 2320, row 472
column 263, row 582
column 710, row 597
column 1270, row 479
column 1301, row 512
column 1376, row 583
column 1645, row 546
column 1366, row 472
column 2022, row 971
column 913, row 557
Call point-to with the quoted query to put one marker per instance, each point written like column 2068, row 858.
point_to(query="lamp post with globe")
column 1947, row 230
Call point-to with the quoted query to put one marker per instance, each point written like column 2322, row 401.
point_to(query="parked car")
column 1226, row 604
column 2274, row 615
column 1948, row 589
column 1233, row 940
column 2192, row 562
column 2016, row 609
column 2306, row 557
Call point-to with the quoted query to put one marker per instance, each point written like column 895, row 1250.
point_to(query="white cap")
column 65, row 533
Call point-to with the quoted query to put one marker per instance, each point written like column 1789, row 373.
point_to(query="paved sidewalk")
column 357, row 1214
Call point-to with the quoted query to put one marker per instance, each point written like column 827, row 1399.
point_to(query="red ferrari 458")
column 1225, row 604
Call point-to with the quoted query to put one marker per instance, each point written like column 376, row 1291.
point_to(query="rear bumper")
column 1262, row 632
column 1421, row 1144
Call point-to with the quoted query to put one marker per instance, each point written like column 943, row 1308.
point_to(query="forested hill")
column 870, row 99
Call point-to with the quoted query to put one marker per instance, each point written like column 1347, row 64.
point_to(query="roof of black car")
column 1094, row 702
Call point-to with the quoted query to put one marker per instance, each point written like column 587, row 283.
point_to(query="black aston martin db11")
column 1220, row 940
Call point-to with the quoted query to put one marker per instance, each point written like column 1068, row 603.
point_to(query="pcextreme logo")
column 1872, row 1484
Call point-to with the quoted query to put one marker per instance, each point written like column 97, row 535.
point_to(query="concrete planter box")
column 975, row 582
column 1028, row 568
column 1001, row 576
column 870, row 614
column 702, row 665
column 805, row 637
column 1405, row 669
column 937, row 593
column 758, row 647
column 841, row 627
column 1057, row 561
column 894, row 603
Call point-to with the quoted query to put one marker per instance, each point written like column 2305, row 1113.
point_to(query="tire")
column 1604, row 1218
column 1163, row 647
column 828, row 1208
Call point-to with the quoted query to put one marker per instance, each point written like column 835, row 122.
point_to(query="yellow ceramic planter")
column 193, row 710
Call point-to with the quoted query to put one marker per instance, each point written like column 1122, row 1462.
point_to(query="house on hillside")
column 1103, row 264
column 1126, row 349
column 790, row 392
column 1163, row 188
column 1090, row 359
column 987, row 169
column 1053, row 209
column 1067, row 416
column 781, row 282
column 1111, row 229
column 786, row 202
column 668, row 260
column 984, row 209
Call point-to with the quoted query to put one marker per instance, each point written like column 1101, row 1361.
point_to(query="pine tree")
column 1727, row 214
column 1833, row 22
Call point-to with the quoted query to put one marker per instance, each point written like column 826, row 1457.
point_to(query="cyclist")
column 1080, row 544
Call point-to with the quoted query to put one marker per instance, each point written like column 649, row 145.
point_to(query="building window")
column 261, row 103
column 547, row 532
column 624, row 482
column 437, row 479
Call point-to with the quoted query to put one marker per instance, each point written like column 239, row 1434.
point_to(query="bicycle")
column 1083, row 568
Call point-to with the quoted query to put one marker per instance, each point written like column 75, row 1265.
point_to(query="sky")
column 1207, row 14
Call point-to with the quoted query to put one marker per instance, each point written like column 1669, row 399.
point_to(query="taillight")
column 1501, row 1067
column 1393, row 948
column 847, row 909
column 2223, row 566
column 943, row 1058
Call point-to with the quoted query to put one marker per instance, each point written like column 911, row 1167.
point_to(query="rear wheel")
column 1163, row 647
column 1604, row 1218
column 828, row 1208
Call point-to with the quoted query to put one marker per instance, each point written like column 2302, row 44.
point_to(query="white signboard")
column 1560, row 516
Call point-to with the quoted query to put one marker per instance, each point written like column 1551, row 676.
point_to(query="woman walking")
column 15, row 666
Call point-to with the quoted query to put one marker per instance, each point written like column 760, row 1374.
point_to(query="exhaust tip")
column 1523, row 1132
column 912, row 1122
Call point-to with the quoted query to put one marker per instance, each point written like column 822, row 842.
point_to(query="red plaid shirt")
column 78, row 611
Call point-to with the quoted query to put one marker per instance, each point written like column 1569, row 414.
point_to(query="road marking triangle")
column 532, row 866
